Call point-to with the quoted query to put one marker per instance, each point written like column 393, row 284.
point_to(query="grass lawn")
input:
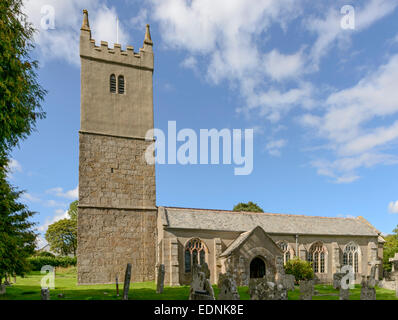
column 28, row 288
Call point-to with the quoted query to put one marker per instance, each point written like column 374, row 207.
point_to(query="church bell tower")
column 117, row 196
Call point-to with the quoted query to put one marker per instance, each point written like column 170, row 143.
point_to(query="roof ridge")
column 263, row 213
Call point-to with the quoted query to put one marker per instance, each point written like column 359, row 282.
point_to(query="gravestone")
column 201, row 288
column 45, row 294
column 261, row 289
column 286, row 280
column 368, row 292
column 160, row 279
column 2, row 289
column 306, row 289
column 227, row 287
column 205, row 269
column 127, row 279
column 337, row 277
column 344, row 294
column 396, row 285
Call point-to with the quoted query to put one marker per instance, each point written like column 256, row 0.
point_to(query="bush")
column 45, row 254
column 37, row 263
column 302, row 270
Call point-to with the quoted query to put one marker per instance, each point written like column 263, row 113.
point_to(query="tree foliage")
column 248, row 207
column 17, row 238
column 72, row 212
column 20, row 93
column 301, row 269
column 62, row 235
column 390, row 248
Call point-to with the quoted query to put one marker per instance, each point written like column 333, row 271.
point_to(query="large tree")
column 17, row 238
column 20, row 93
column 390, row 248
column 62, row 235
column 248, row 207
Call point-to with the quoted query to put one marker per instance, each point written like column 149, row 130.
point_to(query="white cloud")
column 59, row 214
column 393, row 207
column 62, row 43
column 280, row 66
column 70, row 194
column 273, row 147
column 13, row 167
column 330, row 33
column 348, row 125
column 227, row 36
column 29, row 197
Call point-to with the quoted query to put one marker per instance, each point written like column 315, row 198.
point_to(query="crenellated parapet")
column 89, row 50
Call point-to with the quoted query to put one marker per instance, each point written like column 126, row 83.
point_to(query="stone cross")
column 394, row 261
column 45, row 294
column 127, row 279
column 160, row 282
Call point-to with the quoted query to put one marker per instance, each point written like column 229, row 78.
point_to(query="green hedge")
column 38, row 262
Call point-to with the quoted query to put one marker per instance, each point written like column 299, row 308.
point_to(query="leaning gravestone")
column 160, row 283
column 306, row 289
column 45, row 294
column 127, row 279
column 201, row 288
column 227, row 287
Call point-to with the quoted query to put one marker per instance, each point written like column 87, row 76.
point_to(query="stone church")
column 119, row 221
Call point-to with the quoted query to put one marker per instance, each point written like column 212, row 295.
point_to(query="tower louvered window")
column 121, row 85
column 113, row 83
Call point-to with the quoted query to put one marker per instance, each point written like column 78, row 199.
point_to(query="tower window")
column 121, row 85
column 113, row 83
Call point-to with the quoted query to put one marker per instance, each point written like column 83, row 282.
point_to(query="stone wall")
column 113, row 172
column 108, row 239
column 117, row 213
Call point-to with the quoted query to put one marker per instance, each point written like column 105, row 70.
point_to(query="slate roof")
column 223, row 220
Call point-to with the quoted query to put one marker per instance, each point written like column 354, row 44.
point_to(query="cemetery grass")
column 28, row 288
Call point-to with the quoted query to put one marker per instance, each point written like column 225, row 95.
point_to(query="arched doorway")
column 257, row 268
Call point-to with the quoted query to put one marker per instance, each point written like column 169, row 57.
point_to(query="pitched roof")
column 242, row 239
column 223, row 220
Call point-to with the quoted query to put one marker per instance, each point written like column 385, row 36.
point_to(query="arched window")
column 317, row 255
column 195, row 253
column 288, row 252
column 112, row 83
column 120, row 81
column 351, row 256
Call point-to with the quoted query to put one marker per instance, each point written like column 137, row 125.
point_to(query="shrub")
column 302, row 270
column 45, row 254
column 37, row 263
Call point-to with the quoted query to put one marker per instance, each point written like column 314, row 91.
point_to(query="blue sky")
column 322, row 100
